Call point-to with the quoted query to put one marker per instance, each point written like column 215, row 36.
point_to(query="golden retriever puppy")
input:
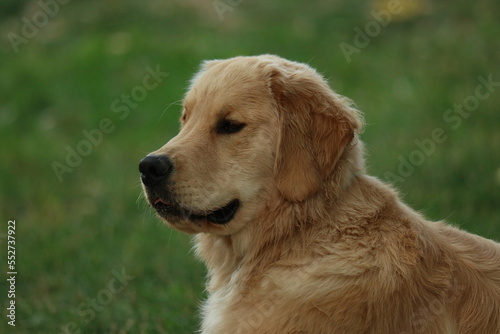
column 267, row 171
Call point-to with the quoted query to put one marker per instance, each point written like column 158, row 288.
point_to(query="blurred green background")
column 91, row 256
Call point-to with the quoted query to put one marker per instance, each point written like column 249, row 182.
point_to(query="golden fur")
column 317, row 246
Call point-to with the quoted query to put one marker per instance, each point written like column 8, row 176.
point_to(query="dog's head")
column 252, row 128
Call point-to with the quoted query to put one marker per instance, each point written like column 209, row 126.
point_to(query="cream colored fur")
column 317, row 245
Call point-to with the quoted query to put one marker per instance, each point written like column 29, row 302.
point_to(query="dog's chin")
column 181, row 217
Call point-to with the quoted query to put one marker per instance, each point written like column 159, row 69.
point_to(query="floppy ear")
column 316, row 126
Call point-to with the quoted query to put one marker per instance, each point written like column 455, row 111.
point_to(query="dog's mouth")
column 221, row 215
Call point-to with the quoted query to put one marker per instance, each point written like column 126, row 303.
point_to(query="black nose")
column 154, row 169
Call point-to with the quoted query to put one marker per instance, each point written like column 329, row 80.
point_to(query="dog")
column 268, row 173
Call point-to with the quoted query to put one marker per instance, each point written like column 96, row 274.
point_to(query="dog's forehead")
column 226, row 84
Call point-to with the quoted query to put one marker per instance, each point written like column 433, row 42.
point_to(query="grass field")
column 90, row 255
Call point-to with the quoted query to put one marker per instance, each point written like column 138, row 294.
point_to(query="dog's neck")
column 281, row 225
column 350, row 165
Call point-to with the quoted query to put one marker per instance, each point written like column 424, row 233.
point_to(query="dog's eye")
column 225, row 127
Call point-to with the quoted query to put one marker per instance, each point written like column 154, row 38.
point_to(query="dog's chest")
column 217, row 309
column 232, row 309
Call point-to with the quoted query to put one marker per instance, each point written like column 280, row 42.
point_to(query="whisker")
column 178, row 102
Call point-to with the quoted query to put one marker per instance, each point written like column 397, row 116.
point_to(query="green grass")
column 73, row 235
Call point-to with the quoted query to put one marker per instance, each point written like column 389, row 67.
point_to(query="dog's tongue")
column 159, row 200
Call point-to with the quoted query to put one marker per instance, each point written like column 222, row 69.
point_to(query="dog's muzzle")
column 155, row 171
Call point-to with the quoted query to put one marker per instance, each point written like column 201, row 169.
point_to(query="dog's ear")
column 316, row 126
